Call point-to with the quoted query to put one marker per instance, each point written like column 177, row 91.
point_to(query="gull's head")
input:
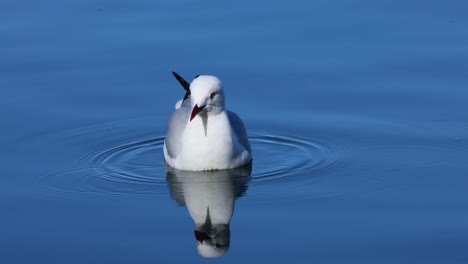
column 207, row 95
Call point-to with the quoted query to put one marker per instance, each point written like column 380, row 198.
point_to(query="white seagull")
column 202, row 134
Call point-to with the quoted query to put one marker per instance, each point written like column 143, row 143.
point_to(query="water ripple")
column 293, row 157
column 124, row 166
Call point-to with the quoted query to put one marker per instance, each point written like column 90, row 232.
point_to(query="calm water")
column 357, row 113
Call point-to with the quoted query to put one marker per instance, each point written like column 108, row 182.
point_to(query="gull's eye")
column 212, row 95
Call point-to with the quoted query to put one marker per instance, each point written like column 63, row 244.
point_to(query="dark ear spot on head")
column 197, row 76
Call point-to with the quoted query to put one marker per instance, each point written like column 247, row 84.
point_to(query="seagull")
column 202, row 134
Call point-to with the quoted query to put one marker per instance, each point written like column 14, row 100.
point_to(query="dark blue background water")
column 357, row 113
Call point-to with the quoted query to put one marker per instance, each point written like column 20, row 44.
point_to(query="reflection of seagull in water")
column 209, row 197
column 202, row 134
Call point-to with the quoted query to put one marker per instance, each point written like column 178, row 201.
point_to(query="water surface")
column 356, row 111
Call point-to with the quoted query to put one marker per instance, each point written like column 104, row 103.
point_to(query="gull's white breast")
column 217, row 149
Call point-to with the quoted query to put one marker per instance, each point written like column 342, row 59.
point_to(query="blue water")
column 356, row 110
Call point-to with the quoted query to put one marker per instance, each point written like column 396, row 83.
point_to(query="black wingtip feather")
column 182, row 81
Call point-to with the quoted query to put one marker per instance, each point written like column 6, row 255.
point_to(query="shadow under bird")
column 202, row 134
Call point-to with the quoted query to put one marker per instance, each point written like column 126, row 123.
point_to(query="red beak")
column 195, row 111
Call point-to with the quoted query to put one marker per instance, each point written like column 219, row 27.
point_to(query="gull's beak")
column 195, row 111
